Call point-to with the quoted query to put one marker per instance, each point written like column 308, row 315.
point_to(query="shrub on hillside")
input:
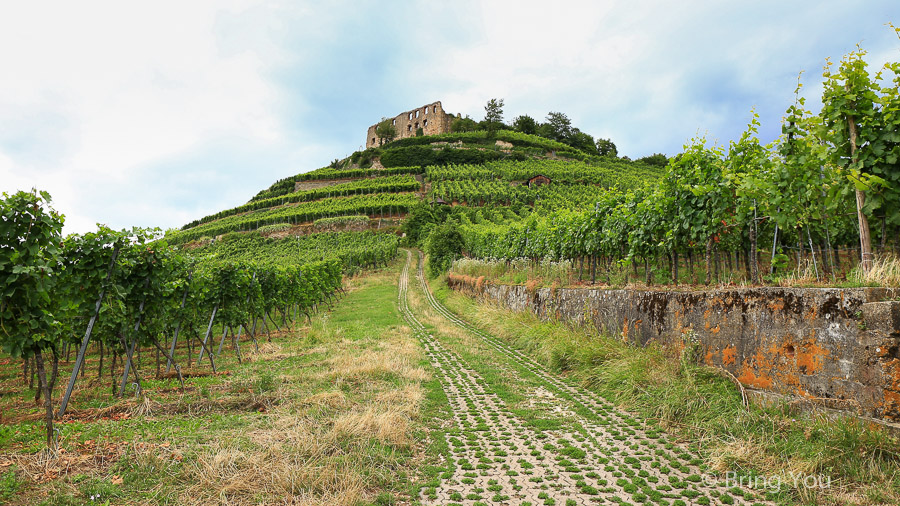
column 444, row 245
column 425, row 155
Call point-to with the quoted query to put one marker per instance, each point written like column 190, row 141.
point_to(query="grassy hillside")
column 470, row 169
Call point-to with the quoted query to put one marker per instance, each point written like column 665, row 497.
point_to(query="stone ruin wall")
column 837, row 348
column 430, row 118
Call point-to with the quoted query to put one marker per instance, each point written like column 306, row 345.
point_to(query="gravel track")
column 497, row 458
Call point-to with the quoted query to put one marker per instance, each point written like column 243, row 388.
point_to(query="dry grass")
column 269, row 351
column 885, row 271
column 406, row 400
column 276, row 472
column 330, row 446
column 331, row 400
column 314, row 450
column 397, row 355
column 385, row 424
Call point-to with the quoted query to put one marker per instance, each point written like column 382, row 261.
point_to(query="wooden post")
column 79, row 361
column 865, row 241
column 206, row 338
column 129, row 350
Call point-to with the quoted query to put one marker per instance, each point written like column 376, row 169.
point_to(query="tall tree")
column 606, row 147
column 525, row 124
column 493, row 115
column 558, row 127
column 582, row 141
column 385, row 131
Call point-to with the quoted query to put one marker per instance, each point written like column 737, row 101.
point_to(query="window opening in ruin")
column 417, row 113
column 409, row 128
column 417, row 125
column 373, row 140
column 425, row 123
column 426, row 109
column 410, row 116
column 394, row 121
column 434, row 110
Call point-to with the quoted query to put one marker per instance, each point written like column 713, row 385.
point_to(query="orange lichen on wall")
column 891, row 402
column 810, row 356
column 729, row 354
column 750, row 378
column 776, row 305
column 891, row 370
column 812, row 314
column 709, row 358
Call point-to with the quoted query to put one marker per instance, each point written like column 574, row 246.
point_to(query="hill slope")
column 386, row 183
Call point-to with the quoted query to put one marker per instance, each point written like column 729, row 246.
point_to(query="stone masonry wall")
column 837, row 347
column 319, row 183
column 430, row 118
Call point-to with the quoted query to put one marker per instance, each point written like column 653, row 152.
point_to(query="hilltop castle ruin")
column 430, row 118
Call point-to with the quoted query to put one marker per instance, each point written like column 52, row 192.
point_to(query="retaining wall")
column 320, row 183
column 838, row 347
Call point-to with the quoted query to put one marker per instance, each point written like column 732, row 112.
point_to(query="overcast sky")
column 160, row 113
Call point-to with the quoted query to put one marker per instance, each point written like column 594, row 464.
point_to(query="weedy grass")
column 548, row 273
column 327, row 413
column 885, row 271
column 703, row 409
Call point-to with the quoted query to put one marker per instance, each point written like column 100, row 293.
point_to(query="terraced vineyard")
column 602, row 456
column 384, row 204
column 413, row 403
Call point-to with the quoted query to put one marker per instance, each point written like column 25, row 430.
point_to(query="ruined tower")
column 430, row 118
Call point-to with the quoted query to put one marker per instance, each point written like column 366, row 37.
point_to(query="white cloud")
column 159, row 113
column 131, row 85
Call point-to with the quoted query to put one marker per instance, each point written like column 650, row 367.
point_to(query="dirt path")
column 607, row 458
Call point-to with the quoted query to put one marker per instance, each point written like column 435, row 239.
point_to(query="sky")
column 158, row 113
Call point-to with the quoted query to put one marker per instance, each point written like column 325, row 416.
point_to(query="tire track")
column 496, row 458
column 617, row 459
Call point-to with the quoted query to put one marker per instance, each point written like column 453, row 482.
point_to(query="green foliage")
column 656, row 160
column 419, row 221
column 277, row 227
column 351, row 249
column 606, row 172
column 386, row 184
column 606, row 147
column 582, row 142
column 9, row 484
column 424, row 155
column 444, row 244
column 385, row 131
column 322, row 223
column 853, row 96
column 558, row 127
column 286, row 185
column 30, row 258
column 493, row 115
column 466, row 124
column 375, row 204
column 480, row 138
column 525, row 124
